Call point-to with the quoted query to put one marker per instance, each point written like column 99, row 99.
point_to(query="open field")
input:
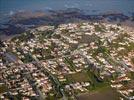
column 104, row 94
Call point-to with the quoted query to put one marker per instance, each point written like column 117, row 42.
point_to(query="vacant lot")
column 78, row 77
column 107, row 94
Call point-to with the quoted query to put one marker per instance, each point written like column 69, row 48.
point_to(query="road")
column 35, row 88
column 53, row 78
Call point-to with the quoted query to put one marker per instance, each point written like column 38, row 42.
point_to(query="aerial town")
column 61, row 62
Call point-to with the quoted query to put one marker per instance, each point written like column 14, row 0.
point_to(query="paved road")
column 53, row 78
column 11, row 57
column 35, row 88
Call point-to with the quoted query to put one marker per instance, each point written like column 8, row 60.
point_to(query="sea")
column 9, row 7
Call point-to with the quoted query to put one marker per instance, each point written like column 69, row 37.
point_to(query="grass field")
column 106, row 93
column 78, row 77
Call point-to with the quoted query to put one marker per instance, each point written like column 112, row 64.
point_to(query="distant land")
column 18, row 16
column 22, row 21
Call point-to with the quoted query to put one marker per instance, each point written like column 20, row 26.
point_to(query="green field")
column 78, row 77
column 3, row 88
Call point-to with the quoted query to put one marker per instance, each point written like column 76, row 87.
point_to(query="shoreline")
column 22, row 21
column 5, row 37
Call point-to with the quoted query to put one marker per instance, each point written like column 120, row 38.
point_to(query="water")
column 9, row 7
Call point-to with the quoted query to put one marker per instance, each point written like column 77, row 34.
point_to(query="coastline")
column 22, row 21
